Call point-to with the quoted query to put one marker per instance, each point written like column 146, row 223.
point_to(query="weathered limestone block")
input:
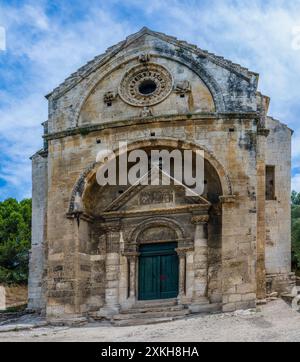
column 37, row 267
column 2, row 298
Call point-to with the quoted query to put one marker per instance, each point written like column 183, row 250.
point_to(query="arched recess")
column 88, row 177
column 186, row 60
column 156, row 222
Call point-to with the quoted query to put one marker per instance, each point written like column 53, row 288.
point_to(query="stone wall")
column 278, row 211
column 37, row 284
column 239, row 226
column 13, row 296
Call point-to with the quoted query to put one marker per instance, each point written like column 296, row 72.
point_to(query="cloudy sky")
column 48, row 40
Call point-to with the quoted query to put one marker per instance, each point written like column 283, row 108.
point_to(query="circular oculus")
column 146, row 85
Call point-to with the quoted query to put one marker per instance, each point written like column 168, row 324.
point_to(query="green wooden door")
column 158, row 271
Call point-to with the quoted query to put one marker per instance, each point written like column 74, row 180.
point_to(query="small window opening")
column 270, row 183
column 147, row 87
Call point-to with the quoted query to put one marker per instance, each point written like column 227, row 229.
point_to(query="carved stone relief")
column 156, row 197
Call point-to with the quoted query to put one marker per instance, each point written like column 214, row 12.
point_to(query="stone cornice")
column 85, row 130
column 81, row 216
column 153, row 212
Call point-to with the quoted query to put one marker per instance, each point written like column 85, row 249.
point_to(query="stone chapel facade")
column 100, row 251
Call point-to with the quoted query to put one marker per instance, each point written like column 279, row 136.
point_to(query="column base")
column 108, row 311
column 199, row 304
column 200, row 300
column 129, row 303
column 180, row 298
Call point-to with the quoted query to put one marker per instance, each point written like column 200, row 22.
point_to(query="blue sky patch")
column 48, row 40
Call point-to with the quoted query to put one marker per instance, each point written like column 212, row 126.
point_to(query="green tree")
column 295, row 198
column 15, row 236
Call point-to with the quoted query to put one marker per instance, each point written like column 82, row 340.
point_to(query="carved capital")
column 111, row 227
column 200, row 219
column 227, row 199
column 131, row 255
column 181, row 252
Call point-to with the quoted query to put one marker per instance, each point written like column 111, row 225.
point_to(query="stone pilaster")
column 200, row 259
column 132, row 258
column 261, row 214
column 112, row 271
column 185, row 279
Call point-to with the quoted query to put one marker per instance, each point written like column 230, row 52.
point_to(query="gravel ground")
column 273, row 322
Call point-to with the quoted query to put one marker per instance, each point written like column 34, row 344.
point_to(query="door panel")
column 169, row 276
column 149, row 277
column 158, row 271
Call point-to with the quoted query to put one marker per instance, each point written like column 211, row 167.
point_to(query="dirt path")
column 275, row 322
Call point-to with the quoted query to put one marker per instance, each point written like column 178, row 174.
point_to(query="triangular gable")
column 99, row 60
column 133, row 192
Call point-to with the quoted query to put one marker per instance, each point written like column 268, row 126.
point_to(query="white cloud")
column 257, row 36
column 52, row 56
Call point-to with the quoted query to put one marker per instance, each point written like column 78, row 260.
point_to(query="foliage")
column 296, row 198
column 296, row 230
column 15, row 236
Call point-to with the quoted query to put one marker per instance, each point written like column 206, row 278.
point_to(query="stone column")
column 182, row 273
column 200, row 259
column 112, row 271
column 132, row 275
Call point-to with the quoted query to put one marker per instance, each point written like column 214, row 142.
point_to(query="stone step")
column 152, row 315
column 145, row 321
column 155, row 303
column 139, row 322
column 289, row 297
column 157, row 308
